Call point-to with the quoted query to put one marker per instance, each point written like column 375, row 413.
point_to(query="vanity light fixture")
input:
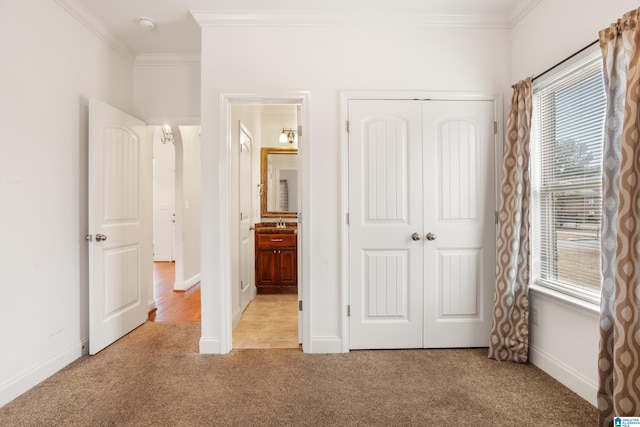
column 288, row 135
column 167, row 134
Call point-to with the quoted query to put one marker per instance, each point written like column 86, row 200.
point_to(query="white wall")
column 274, row 119
column 565, row 343
column 167, row 92
column 51, row 66
column 190, row 206
column 163, row 198
column 327, row 60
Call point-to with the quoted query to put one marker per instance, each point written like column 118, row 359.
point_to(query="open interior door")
column 245, row 179
column 120, row 250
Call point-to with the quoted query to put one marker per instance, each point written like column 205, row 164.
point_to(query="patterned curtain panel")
column 510, row 331
column 619, row 357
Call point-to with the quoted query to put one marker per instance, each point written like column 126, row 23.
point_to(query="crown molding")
column 521, row 11
column 162, row 59
column 259, row 18
column 97, row 27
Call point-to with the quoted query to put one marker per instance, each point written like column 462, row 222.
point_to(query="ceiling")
column 177, row 33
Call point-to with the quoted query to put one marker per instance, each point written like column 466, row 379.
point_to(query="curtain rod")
column 565, row 60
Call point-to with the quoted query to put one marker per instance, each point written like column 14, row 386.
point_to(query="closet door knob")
column 431, row 236
column 415, row 236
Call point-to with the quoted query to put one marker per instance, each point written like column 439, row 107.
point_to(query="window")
column 566, row 152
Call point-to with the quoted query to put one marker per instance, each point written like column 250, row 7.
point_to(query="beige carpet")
column 155, row 377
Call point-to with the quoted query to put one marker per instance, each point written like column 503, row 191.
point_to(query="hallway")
column 269, row 321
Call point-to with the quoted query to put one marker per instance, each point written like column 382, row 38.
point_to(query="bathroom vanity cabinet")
column 276, row 263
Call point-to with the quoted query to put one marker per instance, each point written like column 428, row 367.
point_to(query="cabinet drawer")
column 276, row 240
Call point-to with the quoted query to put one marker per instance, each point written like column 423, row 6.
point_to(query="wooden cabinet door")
column 287, row 272
column 266, row 273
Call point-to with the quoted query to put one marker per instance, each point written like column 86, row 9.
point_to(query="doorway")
column 176, row 217
column 260, row 319
column 422, row 230
column 217, row 316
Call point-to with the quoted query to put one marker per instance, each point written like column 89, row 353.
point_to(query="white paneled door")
column 247, row 286
column 421, row 223
column 459, row 212
column 385, row 211
column 120, row 251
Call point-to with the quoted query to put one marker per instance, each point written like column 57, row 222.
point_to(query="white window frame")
column 561, row 289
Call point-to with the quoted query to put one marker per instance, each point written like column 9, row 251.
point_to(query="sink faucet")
column 280, row 223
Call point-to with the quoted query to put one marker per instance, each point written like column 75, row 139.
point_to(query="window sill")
column 571, row 302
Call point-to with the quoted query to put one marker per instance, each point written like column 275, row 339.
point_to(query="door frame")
column 345, row 97
column 220, row 285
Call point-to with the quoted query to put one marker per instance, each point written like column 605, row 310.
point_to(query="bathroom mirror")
column 279, row 182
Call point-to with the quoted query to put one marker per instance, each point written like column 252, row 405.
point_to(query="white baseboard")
column 563, row 374
column 210, row 346
column 237, row 318
column 23, row 382
column 325, row 345
column 187, row 284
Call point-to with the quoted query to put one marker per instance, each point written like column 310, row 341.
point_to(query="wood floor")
column 269, row 321
column 173, row 306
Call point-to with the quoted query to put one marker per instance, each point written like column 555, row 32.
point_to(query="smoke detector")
column 146, row 23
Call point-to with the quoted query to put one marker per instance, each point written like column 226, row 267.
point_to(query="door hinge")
column 347, row 218
column 349, row 310
column 496, row 217
column 495, row 127
column 347, row 126
column 299, row 131
column 300, row 305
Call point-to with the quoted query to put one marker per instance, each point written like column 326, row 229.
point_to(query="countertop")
column 272, row 228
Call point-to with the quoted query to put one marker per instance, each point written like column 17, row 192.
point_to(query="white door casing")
column 450, row 175
column 245, row 179
column 385, row 210
column 300, row 186
column 120, row 224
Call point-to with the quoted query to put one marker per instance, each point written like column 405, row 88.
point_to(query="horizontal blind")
column 567, row 135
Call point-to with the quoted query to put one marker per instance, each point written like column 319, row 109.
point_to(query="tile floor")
column 269, row 321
